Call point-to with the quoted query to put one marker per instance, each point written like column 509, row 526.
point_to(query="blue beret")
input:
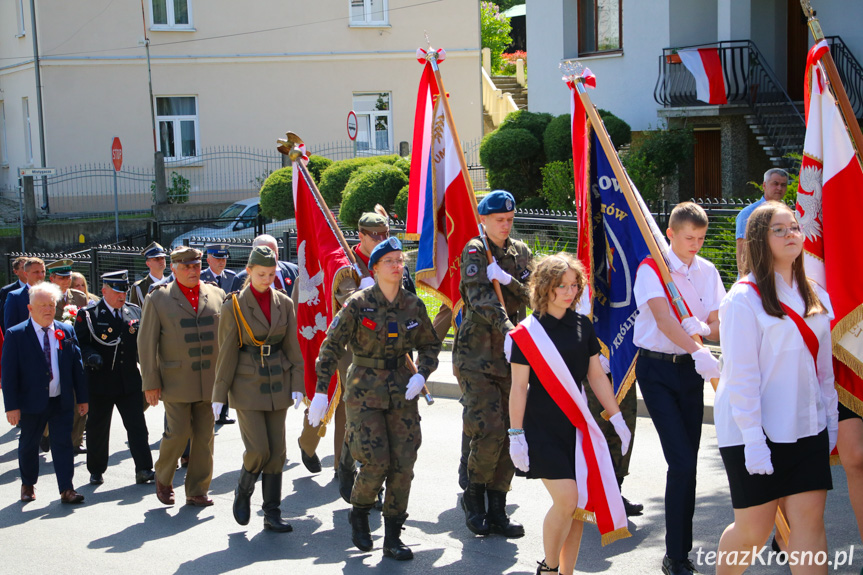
column 383, row 248
column 117, row 281
column 497, row 202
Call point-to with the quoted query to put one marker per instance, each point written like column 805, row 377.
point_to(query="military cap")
column 383, row 248
column 154, row 250
column 117, row 281
column 60, row 268
column 218, row 251
column 262, row 256
column 185, row 254
column 497, row 202
column 374, row 223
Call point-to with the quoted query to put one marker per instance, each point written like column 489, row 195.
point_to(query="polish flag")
column 706, row 67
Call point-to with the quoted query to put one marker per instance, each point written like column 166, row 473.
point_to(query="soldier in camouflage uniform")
column 381, row 324
column 484, row 374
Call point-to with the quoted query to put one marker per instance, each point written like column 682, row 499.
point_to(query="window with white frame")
column 28, row 135
column 171, row 14
column 374, row 122
column 19, row 17
column 177, row 121
column 369, row 12
column 4, row 158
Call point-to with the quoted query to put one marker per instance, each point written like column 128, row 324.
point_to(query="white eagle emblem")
column 809, row 210
column 308, row 331
column 308, row 285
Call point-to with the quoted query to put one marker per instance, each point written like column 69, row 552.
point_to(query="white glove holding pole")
column 694, row 326
column 706, row 365
column 367, row 282
column 518, row 452
column 297, row 396
column 415, row 386
column 317, row 409
column 217, row 409
column 622, row 431
column 495, row 273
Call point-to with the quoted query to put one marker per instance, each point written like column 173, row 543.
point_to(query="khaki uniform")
column 383, row 428
column 79, row 422
column 259, row 386
column 483, row 372
column 178, row 350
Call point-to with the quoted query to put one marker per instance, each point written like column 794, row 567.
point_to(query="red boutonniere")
column 58, row 333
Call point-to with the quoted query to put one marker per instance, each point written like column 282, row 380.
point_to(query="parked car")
column 237, row 221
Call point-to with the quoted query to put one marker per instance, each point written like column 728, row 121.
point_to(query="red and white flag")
column 706, row 66
column 828, row 205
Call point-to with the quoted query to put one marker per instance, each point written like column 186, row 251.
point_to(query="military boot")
column 473, row 504
column 393, row 546
column 498, row 521
column 361, row 535
column 243, row 496
column 271, row 487
column 347, row 473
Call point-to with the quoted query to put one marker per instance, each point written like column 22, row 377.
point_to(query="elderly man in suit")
column 178, row 347
column 21, row 281
column 16, row 309
column 42, row 376
column 286, row 272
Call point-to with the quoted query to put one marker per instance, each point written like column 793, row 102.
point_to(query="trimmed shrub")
column 512, row 158
column 533, row 122
column 558, row 185
column 400, row 206
column 557, row 139
column 618, row 130
column 277, row 196
column 317, row 165
column 335, row 178
column 391, row 159
column 534, row 203
column 404, row 164
column 379, row 183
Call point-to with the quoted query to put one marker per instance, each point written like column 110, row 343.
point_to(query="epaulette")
column 159, row 286
column 210, row 283
column 130, row 304
column 229, row 294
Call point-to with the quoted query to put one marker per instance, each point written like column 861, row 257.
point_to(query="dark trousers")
column 674, row 396
column 32, row 426
column 99, row 430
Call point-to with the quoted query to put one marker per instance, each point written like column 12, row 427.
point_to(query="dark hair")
column 18, row 262
column 687, row 212
column 758, row 260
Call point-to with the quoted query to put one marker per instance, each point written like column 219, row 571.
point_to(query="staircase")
column 779, row 130
column 509, row 85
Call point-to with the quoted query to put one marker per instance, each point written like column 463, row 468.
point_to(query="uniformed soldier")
column 484, row 373
column 155, row 255
column 381, row 324
column 178, row 350
column 260, row 369
column 217, row 273
column 108, row 335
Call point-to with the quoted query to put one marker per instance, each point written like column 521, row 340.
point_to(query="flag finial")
column 571, row 69
column 290, row 145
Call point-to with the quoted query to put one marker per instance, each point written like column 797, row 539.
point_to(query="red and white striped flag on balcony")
column 706, row 67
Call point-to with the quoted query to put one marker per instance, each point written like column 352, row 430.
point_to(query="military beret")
column 60, row 268
column 383, row 248
column 218, row 251
column 262, row 256
column 184, row 255
column 154, row 250
column 497, row 202
column 117, row 281
column 373, row 222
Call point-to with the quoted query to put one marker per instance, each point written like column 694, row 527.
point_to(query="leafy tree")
column 494, row 33
column 558, row 185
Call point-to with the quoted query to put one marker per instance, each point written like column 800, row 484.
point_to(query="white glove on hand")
column 415, row 386
column 706, row 365
column 367, row 282
column 495, row 273
column 622, row 431
column 833, row 433
column 757, row 457
column 297, row 396
column 217, row 409
column 694, row 326
column 603, row 361
column 317, row 409
column 518, row 452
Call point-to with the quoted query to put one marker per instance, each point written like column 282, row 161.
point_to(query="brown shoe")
column 199, row 501
column 165, row 493
column 28, row 493
column 71, row 496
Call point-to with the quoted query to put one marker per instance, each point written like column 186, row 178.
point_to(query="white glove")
column 694, row 326
column 833, row 433
column 217, row 409
column 603, row 361
column 415, row 386
column 495, row 273
column 297, row 396
column 706, row 365
column 757, row 457
column 518, row 452
column 622, row 431
column 367, row 282
column 317, row 409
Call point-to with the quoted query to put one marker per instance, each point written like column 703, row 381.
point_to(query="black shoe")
column 677, row 567
column 360, row 533
column 393, row 546
column 145, row 476
column 543, row 568
column 498, row 521
column 379, row 502
column 96, row 479
column 78, row 450
column 632, row 509
column 271, row 488
column 44, row 444
column 225, row 421
column 243, row 495
column 473, row 504
column 312, row 462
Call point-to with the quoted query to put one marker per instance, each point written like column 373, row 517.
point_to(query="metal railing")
column 850, row 71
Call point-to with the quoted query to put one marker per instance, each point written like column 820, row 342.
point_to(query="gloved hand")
column 622, row 431
column 694, row 326
column 833, row 432
column 93, row 362
column 367, row 282
column 495, row 273
column 318, row 409
column 415, row 386
column 217, row 409
column 603, row 361
column 757, row 457
column 706, row 365
column 297, row 396
column 518, row 452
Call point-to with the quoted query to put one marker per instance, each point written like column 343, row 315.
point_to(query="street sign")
column 117, row 154
column 37, row 172
column 352, row 125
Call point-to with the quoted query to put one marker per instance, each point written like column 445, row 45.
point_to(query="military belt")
column 390, row 364
column 263, row 350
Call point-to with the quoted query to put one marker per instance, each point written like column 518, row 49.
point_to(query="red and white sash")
column 599, row 499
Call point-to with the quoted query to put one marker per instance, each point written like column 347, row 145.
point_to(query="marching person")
column 286, row 272
column 42, row 374
column 483, row 372
column 543, row 440
column 671, row 368
column 217, row 260
column 155, row 256
column 108, row 335
column 381, row 324
column 776, row 405
column 178, row 349
column 260, row 369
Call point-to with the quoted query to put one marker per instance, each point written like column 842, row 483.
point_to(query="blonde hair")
column 687, row 212
column 548, row 274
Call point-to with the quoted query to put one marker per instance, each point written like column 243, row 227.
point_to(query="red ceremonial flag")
column 828, row 204
column 706, row 66
column 322, row 265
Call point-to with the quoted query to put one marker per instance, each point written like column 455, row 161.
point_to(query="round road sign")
column 352, row 125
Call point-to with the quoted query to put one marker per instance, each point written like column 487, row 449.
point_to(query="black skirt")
column 845, row 413
column 797, row 467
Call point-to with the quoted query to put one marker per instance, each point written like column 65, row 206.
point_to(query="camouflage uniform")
column 484, row 374
column 383, row 428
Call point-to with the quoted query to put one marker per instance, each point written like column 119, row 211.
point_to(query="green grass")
column 10, row 232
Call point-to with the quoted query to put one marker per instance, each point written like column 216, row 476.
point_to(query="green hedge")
column 512, row 159
column 400, row 206
column 558, row 185
column 317, row 165
column 404, row 164
column 557, row 139
column 378, row 183
column 277, row 196
column 533, row 122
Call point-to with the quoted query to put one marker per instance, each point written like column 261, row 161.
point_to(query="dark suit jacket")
column 119, row 373
column 224, row 280
column 289, row 275
column 25, row 372
column 15, row 311
column 4, row 292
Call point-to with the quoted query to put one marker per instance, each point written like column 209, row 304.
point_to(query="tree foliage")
column 494, row 33
column 656, row 157
column 277, row 196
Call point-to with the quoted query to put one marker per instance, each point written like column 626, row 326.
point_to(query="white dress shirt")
column 699, row 278
column 768, row 378
column 54, row 385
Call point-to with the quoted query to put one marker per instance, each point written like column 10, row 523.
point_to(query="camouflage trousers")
column 629, row 409
column 385, row 442
column 486, row 420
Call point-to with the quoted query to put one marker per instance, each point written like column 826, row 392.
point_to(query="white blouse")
column 768, row 379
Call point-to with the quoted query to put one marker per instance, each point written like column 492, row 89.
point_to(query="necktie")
column 117, row 314
column 46, row 347
column 278, row 283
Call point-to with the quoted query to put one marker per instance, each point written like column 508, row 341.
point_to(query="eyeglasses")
column 781, row 231
column 567, row 287
column 393, row 262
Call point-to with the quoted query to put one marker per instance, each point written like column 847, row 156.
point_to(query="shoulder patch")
column 471, row 270
column 335, row 323
column 411, row 324
column 525, row 274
